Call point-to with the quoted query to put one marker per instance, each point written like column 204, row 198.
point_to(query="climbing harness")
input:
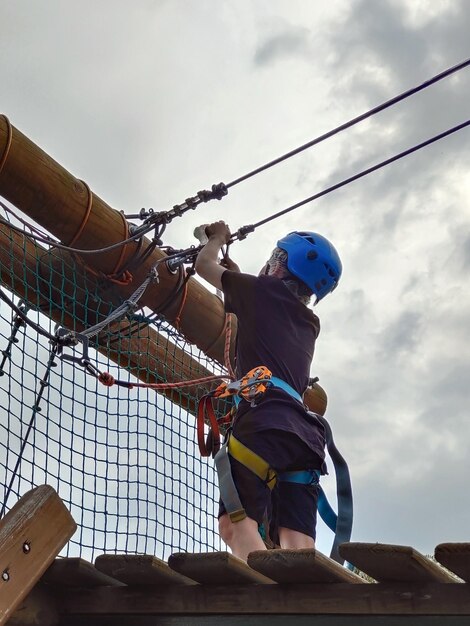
column 340, row 524
column 251, row 388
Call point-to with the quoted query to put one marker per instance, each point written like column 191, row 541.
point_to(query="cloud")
column 283, row 42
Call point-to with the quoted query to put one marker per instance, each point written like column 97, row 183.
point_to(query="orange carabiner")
column 255, row 383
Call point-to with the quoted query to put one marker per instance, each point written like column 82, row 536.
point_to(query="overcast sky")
column 151, row 101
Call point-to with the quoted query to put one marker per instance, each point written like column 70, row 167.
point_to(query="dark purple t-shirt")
column 276, row 330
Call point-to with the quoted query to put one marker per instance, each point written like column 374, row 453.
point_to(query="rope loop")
column 85, row 217
column 118, row 276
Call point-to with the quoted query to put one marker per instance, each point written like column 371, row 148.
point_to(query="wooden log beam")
column 315, row 600
column 64, row 205
column 32, row 534
column 37, row 276
column 46, row 192
column 38, row 608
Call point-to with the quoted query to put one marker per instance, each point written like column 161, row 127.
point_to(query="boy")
column 275, row 329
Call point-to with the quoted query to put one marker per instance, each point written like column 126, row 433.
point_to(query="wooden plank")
column 76, row 572
column 32, row 533
column 300, row 566
column 216, row 568
column 315, row 599
column 392, row 563
column 456, row 557
column 140, row 569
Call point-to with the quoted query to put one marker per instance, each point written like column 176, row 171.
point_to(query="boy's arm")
column 207, row 262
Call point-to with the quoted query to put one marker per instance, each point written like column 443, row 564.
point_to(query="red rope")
column 119, row 278
column 108, row 380
column 177, row 321
column 85, row 217
column 228, row 337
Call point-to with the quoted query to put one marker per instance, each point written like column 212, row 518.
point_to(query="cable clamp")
column 217, row 192
column 66, row 338
column 153, row 274
column 131, row 306
column 143, row 214
column 244, row 231
column 179, row 257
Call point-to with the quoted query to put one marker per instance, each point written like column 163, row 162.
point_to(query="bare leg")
column 242, row 537
column 294, row 540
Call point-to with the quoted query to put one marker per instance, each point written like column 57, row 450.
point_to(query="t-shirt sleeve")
column 238, row 291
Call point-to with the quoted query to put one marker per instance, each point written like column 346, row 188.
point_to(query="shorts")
column 288, row 505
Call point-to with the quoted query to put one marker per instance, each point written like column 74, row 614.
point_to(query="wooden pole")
column 37, row 276
column 64, row 205
column 31, row 535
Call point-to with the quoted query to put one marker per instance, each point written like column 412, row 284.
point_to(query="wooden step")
column 216, row 568
column 456, row 557
column 140, row 569
column 392, row 563
column 300, row 566
column 76, row 572
column 31, row 536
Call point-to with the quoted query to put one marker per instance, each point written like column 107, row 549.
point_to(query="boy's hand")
column 229, row 264
column 218, row 230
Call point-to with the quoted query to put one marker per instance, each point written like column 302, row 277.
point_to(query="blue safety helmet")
column 312, row 259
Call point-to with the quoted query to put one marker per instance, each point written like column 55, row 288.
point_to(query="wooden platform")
column 275, row 588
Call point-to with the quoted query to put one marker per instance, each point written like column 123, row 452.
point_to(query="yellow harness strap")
column 252, row 461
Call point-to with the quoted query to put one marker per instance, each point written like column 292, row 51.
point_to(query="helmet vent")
column 308, row 237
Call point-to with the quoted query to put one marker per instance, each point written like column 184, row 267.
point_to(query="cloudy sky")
column 151, row 102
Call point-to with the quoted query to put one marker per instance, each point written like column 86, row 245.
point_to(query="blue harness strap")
column 277, row 382
column 301, row 477
column 344, row 522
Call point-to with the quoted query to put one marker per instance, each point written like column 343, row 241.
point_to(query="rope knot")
column 106, row 379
